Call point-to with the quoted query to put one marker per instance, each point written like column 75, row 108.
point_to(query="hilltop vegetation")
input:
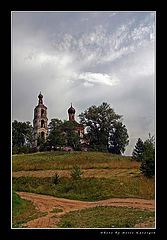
column 104, row 183
column 64, row 160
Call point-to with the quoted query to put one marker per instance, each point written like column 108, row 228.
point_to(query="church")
column 79, row 128
column 40, row 122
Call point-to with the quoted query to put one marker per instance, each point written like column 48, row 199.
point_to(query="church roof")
column 71, row 109
column 40, row 95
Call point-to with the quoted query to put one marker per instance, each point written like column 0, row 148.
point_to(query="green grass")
column 56, row 210
column 88, row 189
column 63, row 160
column 105, row 217
column 22, row 211
column 122, row 179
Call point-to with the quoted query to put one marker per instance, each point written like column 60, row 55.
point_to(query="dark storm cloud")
column 85, row 58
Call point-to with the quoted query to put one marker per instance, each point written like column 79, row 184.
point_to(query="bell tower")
column 40, row 121
column 71, row 112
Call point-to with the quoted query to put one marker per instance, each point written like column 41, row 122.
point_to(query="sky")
column 86, row 58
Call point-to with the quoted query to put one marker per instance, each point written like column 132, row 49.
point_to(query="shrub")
column 56, row 178
column 76, row 173
column 148, row 158
column 14, row 149
column 148, row 166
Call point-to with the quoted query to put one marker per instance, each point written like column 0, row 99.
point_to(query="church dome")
column 71, row 109
column 40, row 95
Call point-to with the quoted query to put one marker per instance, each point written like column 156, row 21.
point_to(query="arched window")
column 42, row 112
column 42, row 124
column 42, row 134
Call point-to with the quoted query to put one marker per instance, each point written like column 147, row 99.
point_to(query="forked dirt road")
column 47, row 204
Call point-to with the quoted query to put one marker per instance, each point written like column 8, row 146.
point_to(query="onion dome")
column 40, row 95
column 71, row 109
column 40, row 98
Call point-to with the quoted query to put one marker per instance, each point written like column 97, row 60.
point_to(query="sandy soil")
column 46, row 204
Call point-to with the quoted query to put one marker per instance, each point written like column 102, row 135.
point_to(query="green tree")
column 148, row 158
column 55, row 124
column 138, row 151
column 72, row 138
column 118, row 138
column 42, row 144
column 63, row 134
column 102, row 127
column 55, row 138
column 21, row 135
column 76, row 172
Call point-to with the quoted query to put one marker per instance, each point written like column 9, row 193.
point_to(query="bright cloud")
column 99, row 78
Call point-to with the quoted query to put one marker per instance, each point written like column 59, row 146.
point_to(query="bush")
column 148, row 158
column 24, row 149
column 148, row 167
column 14, row 149
column 76, row 173
column 56, row 178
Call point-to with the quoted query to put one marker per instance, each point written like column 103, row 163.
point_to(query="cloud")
column 88, row 84
column 100, row 46
column 99, row 78
column 85, row 58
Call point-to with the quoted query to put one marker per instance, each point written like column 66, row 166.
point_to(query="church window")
column 42, row 124
column 42, row 112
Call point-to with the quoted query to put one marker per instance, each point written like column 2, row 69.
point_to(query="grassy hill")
column 64, row 160
column 22, row 210
column 104, row 175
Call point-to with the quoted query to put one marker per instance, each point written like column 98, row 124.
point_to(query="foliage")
column 14, row 149
column 144, row 152
column 88, row 189
column 72, row 138
column 42, row 144
column 56, row 178
column 118, row 138
column 54, row 124
column 148, row 157
column 102, row 127
column 138, row 151
column 56, row 210
column 63, row 134
column 76, row 172
column 55, row 138
column 21, row 136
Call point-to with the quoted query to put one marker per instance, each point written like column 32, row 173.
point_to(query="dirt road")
column 47, row 203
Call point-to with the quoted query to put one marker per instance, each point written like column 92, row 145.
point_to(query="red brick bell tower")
column 71, row 112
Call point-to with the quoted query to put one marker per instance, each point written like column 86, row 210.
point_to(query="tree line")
column 104, row 131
